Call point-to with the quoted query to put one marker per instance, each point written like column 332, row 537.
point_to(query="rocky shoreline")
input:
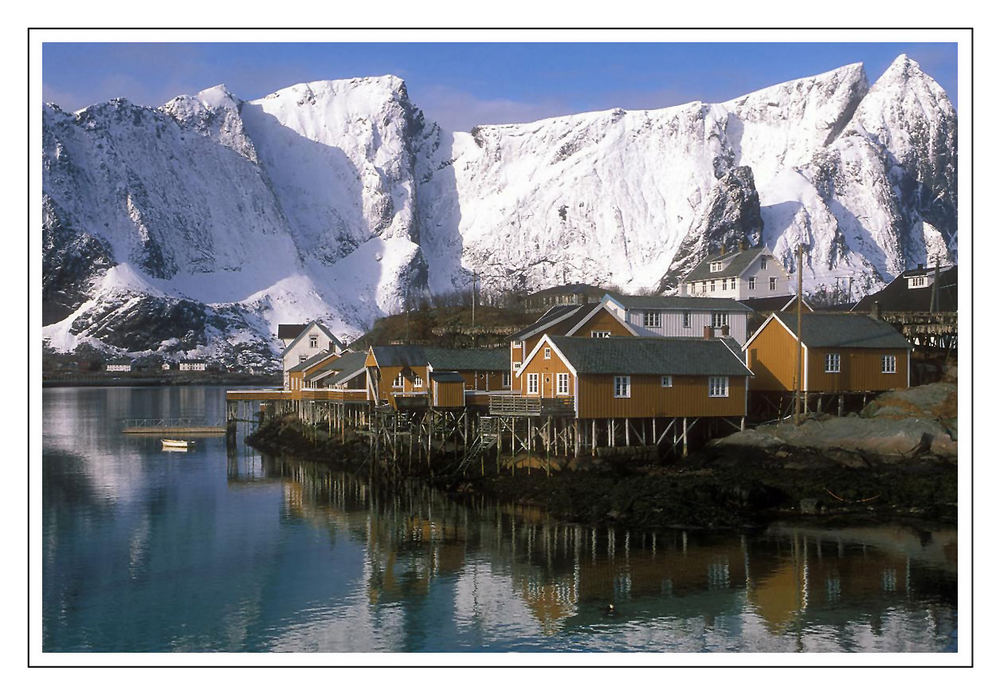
column 897, row 459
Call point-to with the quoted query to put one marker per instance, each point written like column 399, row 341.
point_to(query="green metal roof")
column 735, row 262
column 628, row 355
column 845, row 330
column 556, row 314
column 447, row 377
column 443, row 358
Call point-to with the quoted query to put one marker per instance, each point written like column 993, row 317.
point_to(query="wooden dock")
column 182, row 427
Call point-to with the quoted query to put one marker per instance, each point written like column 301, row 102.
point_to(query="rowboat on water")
column 180, row 444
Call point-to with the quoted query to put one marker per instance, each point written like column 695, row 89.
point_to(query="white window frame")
column 711, row 285
column 918, row 281
column 718, row 387
column 505, row 379
column 417, row 382
column 752, row 282
column 302, row 358
column 888, row 364
column 831, row 363
column 772, row 283
column 763, row 264
column 703, row 286
column 651, row 319
column 720, row 319
column 398, row 381
column 517, row 365
column 600, row 334
column 562, row 384
column 686, row 319
column 667, row 381
column 623, row 387
column 715, row 266
column 548, row 353
column 533, row 384
column 313, row 341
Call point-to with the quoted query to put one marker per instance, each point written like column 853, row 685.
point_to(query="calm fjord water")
column 146, row 550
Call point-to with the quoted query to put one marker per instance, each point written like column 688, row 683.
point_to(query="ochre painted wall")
column 688, row 397
column 602, row 321
column 547, row 369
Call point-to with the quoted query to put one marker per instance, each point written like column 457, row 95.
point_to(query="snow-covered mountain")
column 197, row 227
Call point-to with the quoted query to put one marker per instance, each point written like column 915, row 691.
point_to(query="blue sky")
column 462, row 84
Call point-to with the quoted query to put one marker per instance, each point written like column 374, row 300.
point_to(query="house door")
column 548, row 387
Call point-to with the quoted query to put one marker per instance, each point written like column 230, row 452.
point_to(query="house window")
column 505, row 380
column 517, row 365
column 888, row 364
column 623, row 387
column 763, row 264
column 313, row 341
column 302, row 358
column 720, row 319
column 715, row 266
column 711, row 286
column 832, row 362
column 562, row 384
column 687, row 319
column 417, row 382
column 600, row 334
column 772, row 282
column 519, row 345
column 397, row 383
column 548, row 353
column 703, row 285
column 533, row 383
column 919, row 281
column 752, row 282
column 691, row 288
column 651, row 319
column 667, row 382
column 718, row 386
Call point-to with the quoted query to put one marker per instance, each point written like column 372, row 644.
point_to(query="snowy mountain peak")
column 202, row 224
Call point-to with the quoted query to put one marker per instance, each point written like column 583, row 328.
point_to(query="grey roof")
column 315, row 359
column 576, row 288
column 769, row 304
column 401, row 355
column 469, row 359
column 897, row 295
column 289, row 331
column 443, row 358
column 845, row 330
column 628, row 355
column 678, row 302
column 447, row 377
column 322, row 328
column 736, row 263
column 556, row 314
column 347, row 363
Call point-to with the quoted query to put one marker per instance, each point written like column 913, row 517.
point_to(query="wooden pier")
column 183, row 427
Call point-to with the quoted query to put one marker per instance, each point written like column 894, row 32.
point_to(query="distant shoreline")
column 153, row 380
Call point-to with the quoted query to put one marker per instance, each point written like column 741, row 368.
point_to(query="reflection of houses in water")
column 495, row 567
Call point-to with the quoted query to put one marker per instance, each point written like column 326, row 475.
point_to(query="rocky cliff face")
column 337, row 200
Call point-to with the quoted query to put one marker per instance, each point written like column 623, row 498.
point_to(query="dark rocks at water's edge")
column 724, row 485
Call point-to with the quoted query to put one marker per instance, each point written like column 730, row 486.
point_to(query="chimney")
column 876, row 311
column 722, row 249
column 708, row 332
column 725, row 331
column 920, row 266
column 742, row 245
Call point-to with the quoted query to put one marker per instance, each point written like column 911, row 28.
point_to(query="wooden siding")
column 771, row 357
column 448, row 394
column 547, row 371
column 388, row 374
column 860, row 370
column 672, row 324
column 688, row 397
column 603, row 320
column 491, row 380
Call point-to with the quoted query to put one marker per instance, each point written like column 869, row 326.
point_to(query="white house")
column 118, row 366
column 743, row 274
column 680, row 316
column 192, row 365
column 311, row 341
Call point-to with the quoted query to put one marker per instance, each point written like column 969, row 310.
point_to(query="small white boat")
column 177, row 444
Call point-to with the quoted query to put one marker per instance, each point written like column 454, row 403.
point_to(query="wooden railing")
column 530, row 405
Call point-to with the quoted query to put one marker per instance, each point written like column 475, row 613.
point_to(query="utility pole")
column 798, row 340
column 475, row 278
